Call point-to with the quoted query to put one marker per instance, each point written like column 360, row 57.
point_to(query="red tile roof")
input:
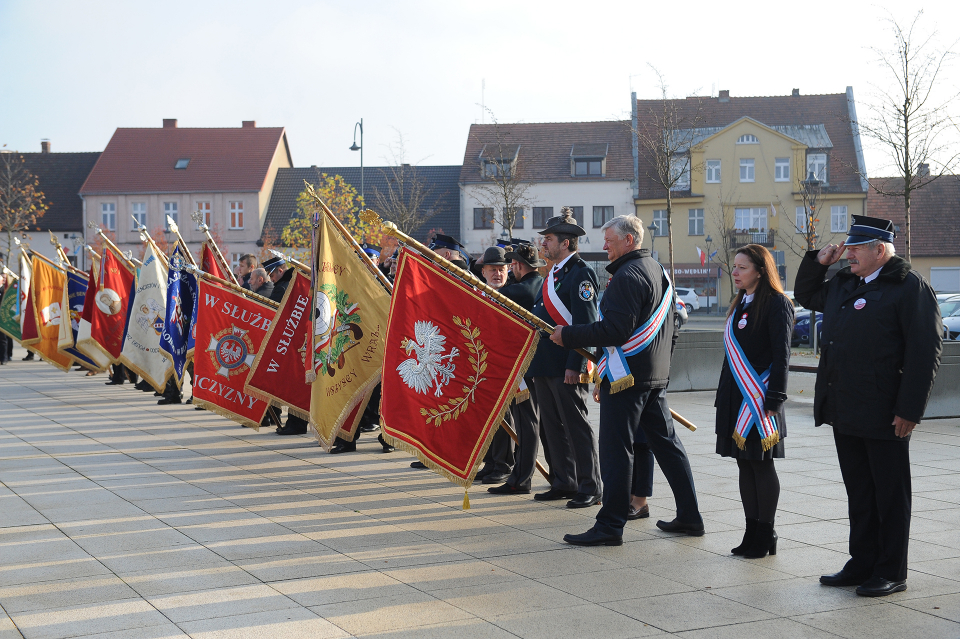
column 544, row 154
column 829, row 110
column 221, row 160
column 934, row 215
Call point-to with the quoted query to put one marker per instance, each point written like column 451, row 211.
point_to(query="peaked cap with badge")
column 271, row 265
column 868, row 229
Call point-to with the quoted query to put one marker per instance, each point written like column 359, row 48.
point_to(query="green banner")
column 9, row 320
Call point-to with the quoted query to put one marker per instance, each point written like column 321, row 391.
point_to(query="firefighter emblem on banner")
column 232, row 351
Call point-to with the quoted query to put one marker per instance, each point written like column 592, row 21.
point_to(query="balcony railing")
column 764, row 238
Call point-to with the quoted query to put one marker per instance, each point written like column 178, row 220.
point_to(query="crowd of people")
column 881, row 344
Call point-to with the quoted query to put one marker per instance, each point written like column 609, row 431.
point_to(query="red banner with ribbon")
column 453, row 360
column 230, row 333
column 108, row 315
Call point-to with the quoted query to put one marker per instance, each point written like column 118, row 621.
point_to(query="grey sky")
column 75, row 71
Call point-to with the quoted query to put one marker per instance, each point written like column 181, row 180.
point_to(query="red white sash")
column 559, row 313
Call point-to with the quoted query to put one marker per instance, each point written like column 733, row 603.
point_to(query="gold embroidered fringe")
column 767, row 443
column 136, row 369
column 363, row 393
column 65, row 369
column 521, row 395
column 464, row 483
column 621, row 384
column 93, row 344
column 223, row 412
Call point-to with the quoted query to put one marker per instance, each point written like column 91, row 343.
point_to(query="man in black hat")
column 880, row 352
column 560, row 376
column 449, row 248
column 279, row 274
column 524, row 415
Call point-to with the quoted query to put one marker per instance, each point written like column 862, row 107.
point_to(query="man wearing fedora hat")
column 560, row 376
column 524, row 264
column 880, row 351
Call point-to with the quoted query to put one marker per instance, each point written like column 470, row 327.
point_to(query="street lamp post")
column 708, row 241
column 653, row 234
column 810, row 192
column 355, row 147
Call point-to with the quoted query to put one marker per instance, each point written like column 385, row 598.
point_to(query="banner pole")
column 196, row 270
column 146, row 239
column 11, row 273
column 113, row 247
column 62, row 254
column 505, row 426
column 197, row 216
column 176, row 229
column 470, row 278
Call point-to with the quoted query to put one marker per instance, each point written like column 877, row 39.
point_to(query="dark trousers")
column 500, row 453
column 526, row 423
column 876, row 474
column 571, row 445
column 642, row 466
column 621, row 416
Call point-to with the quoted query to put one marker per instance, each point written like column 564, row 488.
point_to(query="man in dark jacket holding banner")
column 636, row 332
column 880, row 354
column 560, row 376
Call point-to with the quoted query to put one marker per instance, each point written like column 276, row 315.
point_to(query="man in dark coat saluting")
column 881, row 346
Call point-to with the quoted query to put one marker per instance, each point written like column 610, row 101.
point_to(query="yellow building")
column 747, row 170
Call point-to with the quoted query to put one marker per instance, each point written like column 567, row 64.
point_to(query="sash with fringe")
column 753, row 387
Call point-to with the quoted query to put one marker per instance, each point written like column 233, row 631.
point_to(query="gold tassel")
column 621, row 384
column 311, row 377
column 770, row 441
column 741, row 441
column 466, row 500
column 521, row 395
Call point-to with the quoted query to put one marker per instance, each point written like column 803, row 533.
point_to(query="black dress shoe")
column 843, row 578
column 168, row 400
column 880, row 587
column 638, row 513
column 301, row 430
column 593, row 538
column 368, row 428
column 508, row 489
column 584, row 501
column 555, row 494
column 677, row 526
column 113, row 382
column 189, row 400
column 419, row 465
column 344, row 447
column 143, row 385
column 495, row 478
column 483, row 472
column 387, row 448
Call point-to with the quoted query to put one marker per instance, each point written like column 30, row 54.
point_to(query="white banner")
column 141, row 344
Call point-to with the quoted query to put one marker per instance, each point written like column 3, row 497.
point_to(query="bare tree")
column 504, row 189
column 910, row 119
column 21, row 200
column 811, row 230
column 403, row 202
column 726, row 249
column 665, row 133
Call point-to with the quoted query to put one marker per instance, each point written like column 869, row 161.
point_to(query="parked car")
column 801, row 330
column 680, row 317
column 689, row 297
column 948, row 304
column 951, row 326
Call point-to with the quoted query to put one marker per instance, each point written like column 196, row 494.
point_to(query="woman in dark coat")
column 761, row 321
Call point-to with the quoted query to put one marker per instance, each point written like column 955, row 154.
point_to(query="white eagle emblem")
column 430, row 366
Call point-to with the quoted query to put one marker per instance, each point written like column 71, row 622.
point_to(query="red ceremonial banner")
column 230, row 331
column 108, row 315
column 277, row 373
column 29, row 335
column 210, row 263
column 452, row 363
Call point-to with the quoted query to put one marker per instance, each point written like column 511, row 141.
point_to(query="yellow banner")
column 46, row 295
column 351, row 309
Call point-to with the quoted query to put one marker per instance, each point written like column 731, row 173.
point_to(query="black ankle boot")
column 764, row 542
column 748, row 537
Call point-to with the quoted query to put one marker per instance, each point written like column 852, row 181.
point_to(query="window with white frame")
column 483, row 218
column 602, row 215
column 781, row 170
column 801, row 220
column 748, row 138
column 108, row 215
column 838, row 219
column 206, row 212
column 680, row 172
column 695, row 222
column 139, row 212
column 751, row 219
column 747, row 173
column 660, row 221
column 713, row 171
column 236, row 215
column 171, row 210
column 817, row 164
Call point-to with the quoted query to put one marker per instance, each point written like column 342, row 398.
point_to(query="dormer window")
column 748, row 138
column 817, row 164
column 589, row 159
column 182, row 163
column 496, row 169
column 586, row 167
column 498, row 160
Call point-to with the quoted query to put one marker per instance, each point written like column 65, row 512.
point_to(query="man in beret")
column 880, row 351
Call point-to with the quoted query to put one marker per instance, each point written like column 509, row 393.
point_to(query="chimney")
column 922, row 171
column 249, row 124
column 44, row 146
column 169, row 123
column 795, row 93
column 724, row 95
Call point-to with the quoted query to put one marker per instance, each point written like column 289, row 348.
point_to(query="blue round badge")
column 586, row 291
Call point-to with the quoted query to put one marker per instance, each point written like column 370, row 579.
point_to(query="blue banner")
column 177, row 338
column 76, row 292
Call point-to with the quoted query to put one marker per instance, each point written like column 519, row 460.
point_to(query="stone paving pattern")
column 120, row 518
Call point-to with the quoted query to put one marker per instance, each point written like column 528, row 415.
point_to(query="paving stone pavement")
column 120, row 518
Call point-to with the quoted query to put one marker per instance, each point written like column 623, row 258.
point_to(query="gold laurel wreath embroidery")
column 452, row 409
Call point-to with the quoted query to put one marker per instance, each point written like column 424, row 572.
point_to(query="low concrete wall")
column 696, row 362
column 699, row 355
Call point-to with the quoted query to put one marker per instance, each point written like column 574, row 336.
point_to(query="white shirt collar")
column 748, row 298
column 560, row 264
column 872, row 276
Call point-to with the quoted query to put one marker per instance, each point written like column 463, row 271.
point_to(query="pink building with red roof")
column 150, row 173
